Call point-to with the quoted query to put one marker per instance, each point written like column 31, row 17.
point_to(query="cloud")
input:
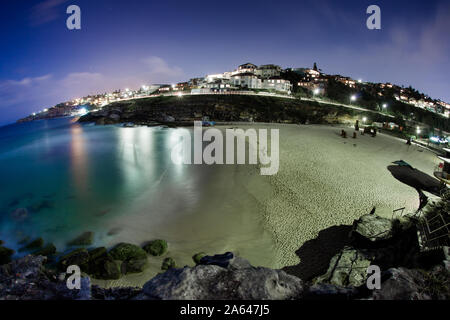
column 46, row 11
column 24, row 96
column 157, row 68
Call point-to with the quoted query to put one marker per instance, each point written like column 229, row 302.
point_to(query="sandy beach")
column 323, row 181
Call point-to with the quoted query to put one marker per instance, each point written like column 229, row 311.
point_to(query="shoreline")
column 293, row 209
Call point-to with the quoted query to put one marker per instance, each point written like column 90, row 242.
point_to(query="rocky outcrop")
column 406, row 284
column 127, row 251
column 347, row 268
column 372, row 228
column 156, row 247
column 27, row 279
column 5, row 255
column 240, row 281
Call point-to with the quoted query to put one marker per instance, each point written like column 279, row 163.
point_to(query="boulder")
column 347, row 268
column 33, row 245
column 221, row 260
column 127, row 251
column 134, row 266
column 168, row 263
column 78, row 257
column 372, row 228
column 212, row 282
column 102, row 266
column 5, row 255
column 84, row 239
column 48, row 250
column 156, row 247
column 402, row 284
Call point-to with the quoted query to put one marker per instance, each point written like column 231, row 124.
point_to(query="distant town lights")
column 179, row 94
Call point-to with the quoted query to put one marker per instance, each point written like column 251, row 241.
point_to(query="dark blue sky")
column 134, row 42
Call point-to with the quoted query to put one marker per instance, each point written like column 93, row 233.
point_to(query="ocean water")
column 60, row 179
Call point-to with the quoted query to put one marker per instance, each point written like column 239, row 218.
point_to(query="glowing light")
column 316, row 91
column 435, row 139
column 364, row 119
column 353, row 98
column 45, row 110
column 384, row 106
column 359, row 81
column 82, row 111
column 179, row 94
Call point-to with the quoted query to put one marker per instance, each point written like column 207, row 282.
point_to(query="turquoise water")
column 59, row 179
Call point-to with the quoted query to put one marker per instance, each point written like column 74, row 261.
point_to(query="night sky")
column 135, row 42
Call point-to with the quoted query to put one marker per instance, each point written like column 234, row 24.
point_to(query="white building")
column 268, row 71
column 277, row 84
column 246, row 80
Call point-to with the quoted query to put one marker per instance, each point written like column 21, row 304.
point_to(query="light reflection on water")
column 121, row 184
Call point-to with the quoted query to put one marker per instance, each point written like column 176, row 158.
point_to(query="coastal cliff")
column 172, row 109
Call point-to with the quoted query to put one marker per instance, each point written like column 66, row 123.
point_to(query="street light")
column 364, row 119
column 353, row 98
column 316, row 91
column 384, row 106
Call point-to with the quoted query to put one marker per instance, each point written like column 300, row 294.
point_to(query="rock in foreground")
column 240, row 281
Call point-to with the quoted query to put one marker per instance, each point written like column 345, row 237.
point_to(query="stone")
column 168, row 263
column 105, row 268
column 401, row 284
column 156, row 247
column 347, row 268
column 373, row 228
column 78, row 257
column 33, row 245
column 134, row 266
column 211, row 282
column 84, row 239
column 198, row 256
column 97, row 253
column 5, row 255
column 48, row 250
column 127, row 251
column 102, row 266
column 221, row 260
